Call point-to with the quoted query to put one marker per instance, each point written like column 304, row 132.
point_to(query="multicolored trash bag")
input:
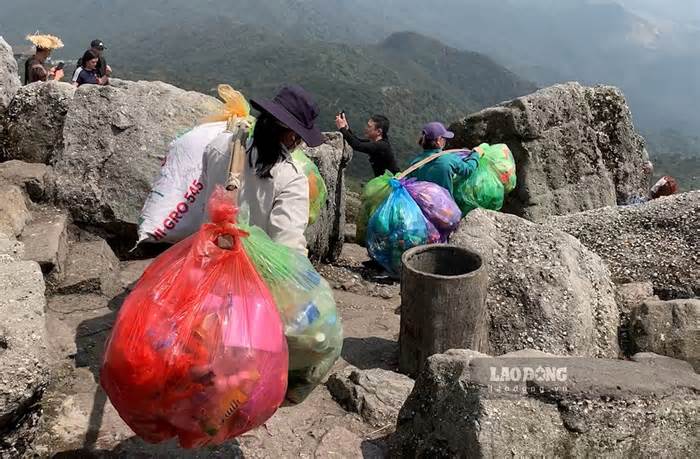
column 305, row 302
column 487, row 186
column 397, row 225
column 437, row 205
column 318, row 193
column 198, row 349
column 373, row 194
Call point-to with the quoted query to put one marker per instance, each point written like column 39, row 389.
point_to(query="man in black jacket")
column 102, row 68
column 376, row 145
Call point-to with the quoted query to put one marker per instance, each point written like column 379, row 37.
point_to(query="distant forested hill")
column 408, row 77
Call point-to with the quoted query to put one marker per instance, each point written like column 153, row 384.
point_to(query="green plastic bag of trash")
column 487, row 186
column 373, row 194
column 306, row 305
column 318, row 193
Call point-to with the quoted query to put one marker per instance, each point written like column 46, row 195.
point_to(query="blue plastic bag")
column 397, row 225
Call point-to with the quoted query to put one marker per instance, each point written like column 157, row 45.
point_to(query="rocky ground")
column 78, row 420
column 658, row 241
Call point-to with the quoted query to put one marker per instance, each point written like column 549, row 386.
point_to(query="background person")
column 103, row 70
column 34, row 69
column 88, row 73
column 443, row 170
column 376, row 144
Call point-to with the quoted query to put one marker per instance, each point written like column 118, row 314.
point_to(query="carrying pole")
column 239, row 127
column 427, row 160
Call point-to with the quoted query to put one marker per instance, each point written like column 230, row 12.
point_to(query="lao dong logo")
column 523, row 374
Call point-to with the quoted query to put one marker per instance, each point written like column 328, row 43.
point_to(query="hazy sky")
column 677, row 10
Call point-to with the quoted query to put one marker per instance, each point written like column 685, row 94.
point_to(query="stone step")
column 33, row 178
column 91, row 267
column 24, row 366
column 79, row 326
column 14, row 214
column 46, row 240
column 131, row 272
column 10, row 249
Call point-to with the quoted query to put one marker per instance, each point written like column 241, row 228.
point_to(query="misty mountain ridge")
column 408, row 77
column 649, row 48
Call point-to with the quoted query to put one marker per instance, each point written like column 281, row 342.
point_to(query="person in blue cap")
column 444, row 169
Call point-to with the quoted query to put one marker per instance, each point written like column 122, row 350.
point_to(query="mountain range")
column 408, row 77
column 649, row 48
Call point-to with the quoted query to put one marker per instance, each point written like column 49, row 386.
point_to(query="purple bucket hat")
column 295, row 108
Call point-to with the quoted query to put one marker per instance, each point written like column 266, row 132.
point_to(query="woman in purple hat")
column 275, row 189
column 442, row 170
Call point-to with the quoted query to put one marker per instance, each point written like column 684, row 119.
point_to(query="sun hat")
column 295, row 108
column 43, row 41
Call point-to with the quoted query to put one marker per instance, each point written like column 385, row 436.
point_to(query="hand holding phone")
column 340, row 120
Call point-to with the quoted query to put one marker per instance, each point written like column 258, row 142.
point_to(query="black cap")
column 97, row 44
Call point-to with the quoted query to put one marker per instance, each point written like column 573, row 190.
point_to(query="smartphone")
column 60, row 65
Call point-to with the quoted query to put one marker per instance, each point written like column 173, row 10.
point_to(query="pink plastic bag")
column 198, row 350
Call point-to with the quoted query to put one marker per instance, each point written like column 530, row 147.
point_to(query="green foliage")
column 683, row 168
column 677, row 155
column 402, row 82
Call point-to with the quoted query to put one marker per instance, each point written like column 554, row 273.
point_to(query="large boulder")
column 465, row 404
column 33, row 124
column 657, row 241
column 9, row 77
column 115, row 138
column 546, row 290
column 670, row 328
column 24, row 368
column 575, row 148
column 326, row 236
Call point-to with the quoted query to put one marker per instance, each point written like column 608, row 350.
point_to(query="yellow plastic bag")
column 235, row 105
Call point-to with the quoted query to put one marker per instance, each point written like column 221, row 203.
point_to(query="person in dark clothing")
column 376, row 145
column 88, row 72
column 34, row 69
column 102, row 69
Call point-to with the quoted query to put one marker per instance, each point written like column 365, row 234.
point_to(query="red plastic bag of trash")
column 198, row 350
